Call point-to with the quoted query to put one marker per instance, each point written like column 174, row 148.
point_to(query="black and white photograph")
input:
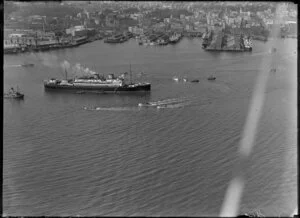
column 150, row 108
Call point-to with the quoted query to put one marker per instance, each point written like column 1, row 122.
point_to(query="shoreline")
column 25, row 49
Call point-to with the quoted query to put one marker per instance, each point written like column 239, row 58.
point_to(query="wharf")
column 20, row 48
column 220, row 41
column 261, row 38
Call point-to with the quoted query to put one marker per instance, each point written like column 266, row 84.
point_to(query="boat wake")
column 172, row 106
column 110, row 108
column 164, row 102
column 14, row 65
column 19, row 65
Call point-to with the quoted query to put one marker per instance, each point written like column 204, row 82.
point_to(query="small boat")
column 80, row 92
column 161, row 102
column 211, row 78
column 185, row 79
column 152, row 104
column 12, row 93
column 27, row 65
column 142, row 105
column 195, row 81
column 163, row 106
column 273, row 70
column 167, row 106
column 147, row 104
column 175, row 78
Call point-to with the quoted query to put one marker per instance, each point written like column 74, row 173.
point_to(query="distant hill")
column 9, row 7
column 131, row 10
column 165, row 13
column 44, row 9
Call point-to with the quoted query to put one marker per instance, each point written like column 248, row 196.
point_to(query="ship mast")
column 130, row 74
column 66, row 74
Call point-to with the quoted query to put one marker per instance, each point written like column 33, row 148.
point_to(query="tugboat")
column 12, row 93
column 27, row 65
column 273, row 50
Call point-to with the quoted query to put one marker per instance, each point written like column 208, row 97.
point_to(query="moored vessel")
column 218, row 40
column 174, row 38
column 116, row 39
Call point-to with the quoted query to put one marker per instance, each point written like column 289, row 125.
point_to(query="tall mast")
column 66, row 74
column 130, row 74
column 36, row 39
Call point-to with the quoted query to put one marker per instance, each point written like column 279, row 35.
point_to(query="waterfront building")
column 136, row 30
column 176, row 27
column 166, row 20
column 47, row 43
column 136, row 16
column 79, row 31
column 230, row 21
column 159, row 27
column 187, row 27
column 111, row 20
column 290, row 29
column 19, row 39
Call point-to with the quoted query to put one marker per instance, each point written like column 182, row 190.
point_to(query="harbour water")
column 119, row 159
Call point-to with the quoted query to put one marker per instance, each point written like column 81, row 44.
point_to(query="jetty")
column 218, row 40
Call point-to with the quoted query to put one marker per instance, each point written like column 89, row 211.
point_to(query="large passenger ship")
column 97, row 83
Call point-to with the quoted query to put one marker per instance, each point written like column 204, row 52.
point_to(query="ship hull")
column 98, row 89
column 228, row 50
column 20, row 96
column 174, row 41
